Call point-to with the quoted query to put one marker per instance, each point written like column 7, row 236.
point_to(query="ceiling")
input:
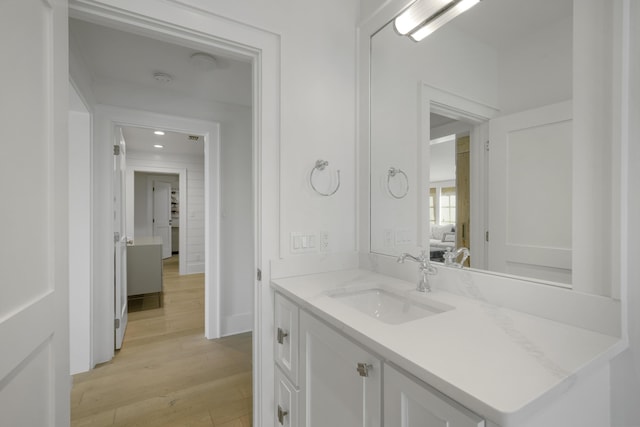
column 117, row 57
column 121, row 68
column 143, row 140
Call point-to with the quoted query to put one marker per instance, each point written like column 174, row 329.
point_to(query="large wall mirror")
column 472, row 139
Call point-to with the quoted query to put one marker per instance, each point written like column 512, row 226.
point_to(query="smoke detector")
column 203, row 61
column 163, row 77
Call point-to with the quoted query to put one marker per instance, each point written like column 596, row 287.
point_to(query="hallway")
column 167, row 373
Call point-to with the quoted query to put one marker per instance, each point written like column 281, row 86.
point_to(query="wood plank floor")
column 167, row 373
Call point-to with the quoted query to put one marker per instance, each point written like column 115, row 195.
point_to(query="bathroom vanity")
column 356, row 348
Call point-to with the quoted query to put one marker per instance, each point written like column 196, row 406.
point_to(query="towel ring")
column 320, row 166
column 391, row 173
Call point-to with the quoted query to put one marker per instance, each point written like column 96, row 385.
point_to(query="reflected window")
column 442, row 205
column 448, row 205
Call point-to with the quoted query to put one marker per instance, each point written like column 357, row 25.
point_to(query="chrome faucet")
column 450, row 257
column 425, row 269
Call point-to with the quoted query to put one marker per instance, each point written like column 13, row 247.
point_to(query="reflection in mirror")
column 501, row 72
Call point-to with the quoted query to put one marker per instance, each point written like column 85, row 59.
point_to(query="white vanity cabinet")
column 340, row 382
column 323, row 378
column 408, row 403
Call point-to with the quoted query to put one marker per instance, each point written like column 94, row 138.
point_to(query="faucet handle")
column 449, row 256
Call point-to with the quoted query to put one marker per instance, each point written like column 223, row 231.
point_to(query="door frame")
column 435, row 100
column 174, row 22
column 121, row 117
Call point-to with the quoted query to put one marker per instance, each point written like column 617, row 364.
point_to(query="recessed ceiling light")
column 159, row 132
column 158, row 146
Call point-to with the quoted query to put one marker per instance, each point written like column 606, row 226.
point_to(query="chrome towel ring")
column 391, row 173
column 320, row 166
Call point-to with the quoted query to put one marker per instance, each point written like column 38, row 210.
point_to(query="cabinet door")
column 286, row 410
column 408, row 403
column 286, row 337
column 339, row 381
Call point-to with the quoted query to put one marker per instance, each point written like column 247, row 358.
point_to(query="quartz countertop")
column 500, row 363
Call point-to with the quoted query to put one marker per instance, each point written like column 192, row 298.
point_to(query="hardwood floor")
column 167, row 373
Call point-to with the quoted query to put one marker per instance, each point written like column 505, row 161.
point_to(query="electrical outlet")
column 403, row 237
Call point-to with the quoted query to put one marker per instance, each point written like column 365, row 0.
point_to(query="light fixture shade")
column 416, row 14
column 425, row 16
column 442, row 19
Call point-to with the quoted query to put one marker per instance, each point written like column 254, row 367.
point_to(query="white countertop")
column 498, row 362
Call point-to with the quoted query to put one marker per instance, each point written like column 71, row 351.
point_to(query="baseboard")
column 195, row 267
column 236, row 324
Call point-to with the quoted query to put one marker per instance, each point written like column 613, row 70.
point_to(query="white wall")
column 538, row 71
column 79, row 233
column 443, row 161
column 318, row 89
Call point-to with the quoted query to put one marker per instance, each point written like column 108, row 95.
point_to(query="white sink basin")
column 386, row 306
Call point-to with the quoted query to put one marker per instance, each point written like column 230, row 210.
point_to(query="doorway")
column 261, row 48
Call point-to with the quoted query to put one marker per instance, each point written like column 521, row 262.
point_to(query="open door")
column 34, row 294
column 162, row 215
column 119, row 238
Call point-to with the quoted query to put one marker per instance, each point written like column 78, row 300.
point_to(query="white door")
column 162, row 215
column 340, row 383
column 34, row 298
column 119, row 238
column 530, row 193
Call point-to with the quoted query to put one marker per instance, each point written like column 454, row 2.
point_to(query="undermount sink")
column 385, row 306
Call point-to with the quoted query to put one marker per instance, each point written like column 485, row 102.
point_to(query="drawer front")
column 286, row 337
column 286, row 395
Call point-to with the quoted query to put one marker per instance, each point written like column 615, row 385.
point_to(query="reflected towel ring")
column 391, row 173
column 320, row 166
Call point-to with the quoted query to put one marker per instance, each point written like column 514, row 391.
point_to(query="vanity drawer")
column 286, row 337
column 286, row 396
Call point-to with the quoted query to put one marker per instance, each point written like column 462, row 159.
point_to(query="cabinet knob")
column 363, row 369
column 281, row 414
column 281, row 336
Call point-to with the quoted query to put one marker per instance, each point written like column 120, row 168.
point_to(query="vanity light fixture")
column 425, row 16
column 158, row 146
column 158, row 132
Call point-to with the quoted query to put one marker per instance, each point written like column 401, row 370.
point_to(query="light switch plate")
column 303, row 242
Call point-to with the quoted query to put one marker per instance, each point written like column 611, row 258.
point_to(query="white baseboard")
column 236, row 324
column 195, row 267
